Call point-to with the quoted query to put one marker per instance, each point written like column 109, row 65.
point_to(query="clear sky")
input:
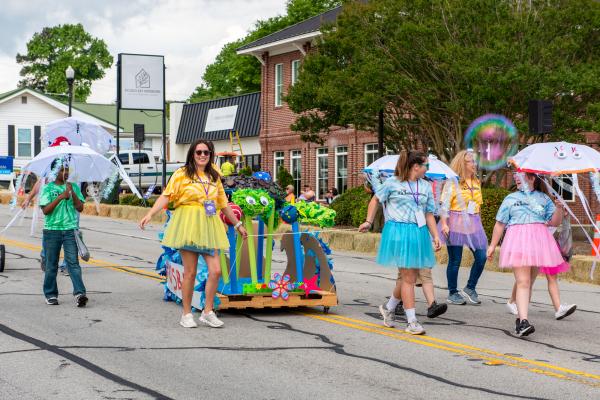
column 189, row 33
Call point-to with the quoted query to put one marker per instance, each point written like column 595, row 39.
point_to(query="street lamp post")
column 70, row 73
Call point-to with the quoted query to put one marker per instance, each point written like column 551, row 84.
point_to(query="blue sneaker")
column 471, row 295
column 456, row 298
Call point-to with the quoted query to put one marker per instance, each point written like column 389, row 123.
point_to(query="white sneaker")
column 512, row 308
column 414, row 328
column 388, row 316
column 565, row 310
column 211, row 320
column 187, row 321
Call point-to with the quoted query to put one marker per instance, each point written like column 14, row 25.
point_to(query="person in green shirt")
column 227, row 168
column 60, row 201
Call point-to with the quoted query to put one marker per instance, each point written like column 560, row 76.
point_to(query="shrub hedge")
column 351, row 207
column 133, row 200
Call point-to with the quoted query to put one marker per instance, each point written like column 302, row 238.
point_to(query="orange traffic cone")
column 596, row 236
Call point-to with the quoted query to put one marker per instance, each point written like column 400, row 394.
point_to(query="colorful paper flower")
column 281, row 285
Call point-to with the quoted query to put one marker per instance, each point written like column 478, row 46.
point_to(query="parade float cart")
column 247, row 279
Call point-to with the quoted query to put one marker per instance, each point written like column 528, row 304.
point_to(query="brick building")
column 339, row 161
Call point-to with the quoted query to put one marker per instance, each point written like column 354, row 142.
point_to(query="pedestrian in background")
column 406, row 240
column 60, row 202
column 289, row 194
column 528, row 245
column 460, row 226
column 195, row 229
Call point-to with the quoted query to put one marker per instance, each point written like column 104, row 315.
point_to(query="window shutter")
column 11, row 140
column 37, row 140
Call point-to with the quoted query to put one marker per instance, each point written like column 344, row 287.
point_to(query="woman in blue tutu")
column 406, row 241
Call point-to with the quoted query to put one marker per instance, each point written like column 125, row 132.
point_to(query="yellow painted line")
column 465, row 350
column 491, row 352
column 91, row 261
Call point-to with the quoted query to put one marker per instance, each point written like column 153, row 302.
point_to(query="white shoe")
column 565, row 310
column 388, row 316
column 512, row 308
column 211, row 320
column 187, row 321
column 414, row 328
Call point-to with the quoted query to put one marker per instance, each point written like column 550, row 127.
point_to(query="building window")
column 371, row 153
column 278, row 84
column 295, row 71
column 322, row 173
column 296, row 170
column 278, row 160
column 341, row 168
column 147, row 144
column 563, row 185
column 23, row 99
column 24, row 142
column 253, row 161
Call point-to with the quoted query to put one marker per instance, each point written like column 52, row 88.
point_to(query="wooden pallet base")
column 316, row 299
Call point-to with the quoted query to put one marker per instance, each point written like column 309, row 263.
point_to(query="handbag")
column 82, row 249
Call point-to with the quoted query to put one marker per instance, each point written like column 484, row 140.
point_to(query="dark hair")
column 405, row 162
column 190, row 164
column 334, row 191
column 537, row 183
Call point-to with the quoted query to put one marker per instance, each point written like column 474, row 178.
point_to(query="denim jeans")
column 63, row 264
column 53, row 241
column 454, row 259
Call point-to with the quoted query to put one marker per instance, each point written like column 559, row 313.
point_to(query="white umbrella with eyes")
column 556, row 158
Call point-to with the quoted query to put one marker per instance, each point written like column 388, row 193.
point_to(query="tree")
column 284, row 178
column 51, row 51
column 435, row 66
column 231, row 74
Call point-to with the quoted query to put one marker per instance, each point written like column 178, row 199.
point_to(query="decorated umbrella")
column 78, row 132
column 556, row 158
column 86, row 165
column 387, row 164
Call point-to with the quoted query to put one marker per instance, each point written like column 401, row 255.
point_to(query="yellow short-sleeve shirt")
column 469, row 189
column 183, row 191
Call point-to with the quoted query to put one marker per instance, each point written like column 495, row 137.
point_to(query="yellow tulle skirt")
column 190, row 228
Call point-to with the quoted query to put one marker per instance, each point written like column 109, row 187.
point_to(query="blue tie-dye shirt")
column 520, row 208
column 398, row 199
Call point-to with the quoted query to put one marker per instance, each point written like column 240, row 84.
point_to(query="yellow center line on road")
column 91, row 261
column 492, row 357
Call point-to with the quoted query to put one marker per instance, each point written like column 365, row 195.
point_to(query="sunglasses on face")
column 202, row 152
column 426, row 165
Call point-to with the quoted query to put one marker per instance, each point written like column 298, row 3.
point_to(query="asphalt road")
column 127, row 343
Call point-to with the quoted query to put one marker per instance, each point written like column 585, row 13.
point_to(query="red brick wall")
column 276, row 134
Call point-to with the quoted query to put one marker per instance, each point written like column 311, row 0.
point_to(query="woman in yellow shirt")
column 195, row 228
column 461, row 226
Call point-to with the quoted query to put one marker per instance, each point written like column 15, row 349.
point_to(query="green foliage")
column 433, row 67
column 52, row 50
column 284, row 178
column 133, row 200
column 232, row 74
column 492, row 198
column 246, row 171
column 351, row 207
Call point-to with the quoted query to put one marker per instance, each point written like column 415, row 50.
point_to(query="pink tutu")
column 531, row 245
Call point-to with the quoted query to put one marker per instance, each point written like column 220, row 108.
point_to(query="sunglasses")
column 202, row 152
column 426, row 165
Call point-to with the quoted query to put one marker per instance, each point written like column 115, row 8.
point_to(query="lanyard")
column 414, row 195
column 472, row 189
column 205, row 187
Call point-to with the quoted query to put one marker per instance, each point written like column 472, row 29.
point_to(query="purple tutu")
column 465, row 230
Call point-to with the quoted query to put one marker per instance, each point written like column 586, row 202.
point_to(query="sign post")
column 141, row 86
column 138, row 138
